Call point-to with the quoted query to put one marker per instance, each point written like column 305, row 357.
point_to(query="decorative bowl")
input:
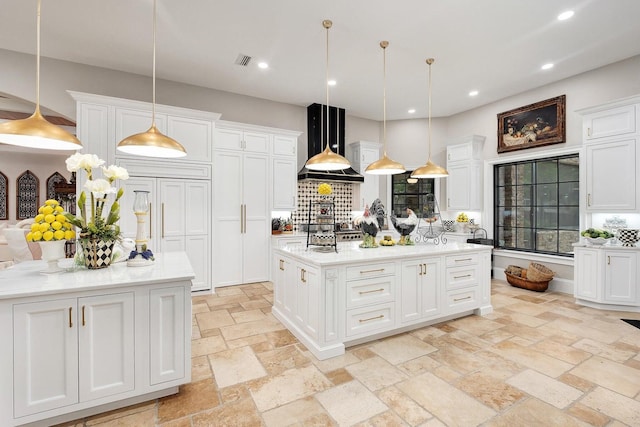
column 597, row 240
column 628, row 236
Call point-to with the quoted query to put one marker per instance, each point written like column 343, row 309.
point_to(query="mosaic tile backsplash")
column 308, row 190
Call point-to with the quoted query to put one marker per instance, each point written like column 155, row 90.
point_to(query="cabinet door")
column 45, row 370
column 586, row 274
column 616, row 121
column 288, row 287
column 256, row 142
column 369, row 189
column 257, row 218
column 128, row 220
column 409, row 290
column 106, row 345
column 172, row 208
column 229, row 139
column 197, row 248
column 93, row 129
column 195, row 135
column 307, row 308
column 197, row 208
column 458, row 186
column 285, row 184
column 611, row 189
column 173, row 244
column 228, row 227
column 285, row 146
column 166, row 334
column 620, row 277
column 430, row 301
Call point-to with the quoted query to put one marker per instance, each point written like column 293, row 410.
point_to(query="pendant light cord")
column 384, row 45
column 38, row 56
column 153, row 104
column 327, row 25
column 429, row 61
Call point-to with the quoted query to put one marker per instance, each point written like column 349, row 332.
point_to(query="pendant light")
column 430, row 170
column 35, row 131
column 152, row 143
column 384, row 166
column 327, row 160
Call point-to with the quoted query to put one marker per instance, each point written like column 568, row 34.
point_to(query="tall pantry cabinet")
column 179, row 218
column 243, row 196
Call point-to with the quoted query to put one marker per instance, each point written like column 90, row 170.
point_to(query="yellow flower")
column 324, row 189
column 69, row 234
column 43, row 227
column 47, row 235
column 36, row 236
column 46, row 209
column 58, row 235
column 56, row 225
column 49, row 218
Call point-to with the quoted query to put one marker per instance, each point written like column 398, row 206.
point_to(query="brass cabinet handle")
column 70, row 321
column 83, row 322
column 608, row 260
column 421, row 272
column 162, row 223
column 150, row 219
column 588, row 131
column 371, row 318
column 372, row 271
column 461, row 277
column 281, row 266
column 463, row 259
column 303, row 279
column 245, row 217
column 588, row 199
column 371, row 291
column 462, row 299
column 425, row 268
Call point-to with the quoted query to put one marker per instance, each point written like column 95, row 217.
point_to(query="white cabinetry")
column 607, row 277
column 462, row 282
column 610, row 165
column 284, row 167
column 242, row 221
column 420, row 290
column 464, row 183
column 92, row 341
column 363, row 153
column 178, row 220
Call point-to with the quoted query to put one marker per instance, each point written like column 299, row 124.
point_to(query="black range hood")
column 317, row 141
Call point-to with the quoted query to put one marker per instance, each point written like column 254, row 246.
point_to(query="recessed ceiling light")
column 565, row 15
column 547, row 66
column 473, row 93
column 331, row 82
column 411, row 111
column 263, row 65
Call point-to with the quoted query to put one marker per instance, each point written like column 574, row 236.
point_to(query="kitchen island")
column 81, row 342
column 330, row 300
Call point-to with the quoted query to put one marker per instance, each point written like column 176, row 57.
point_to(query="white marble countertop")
column 25, row 279
column 350, row 252
column 606, row 246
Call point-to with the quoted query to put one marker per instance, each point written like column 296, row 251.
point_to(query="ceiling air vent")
column 243, row 60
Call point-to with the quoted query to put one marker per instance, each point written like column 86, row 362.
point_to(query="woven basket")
column 539, row 273
column 531, row 285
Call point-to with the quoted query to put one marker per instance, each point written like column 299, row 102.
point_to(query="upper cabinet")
column 465, row 167
column 362, row 154
column 104, row 121
column 611, row 156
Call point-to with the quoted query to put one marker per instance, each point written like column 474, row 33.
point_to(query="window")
column 414, row 196
column 536, row 205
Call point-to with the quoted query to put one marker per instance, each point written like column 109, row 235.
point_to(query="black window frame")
column 418, row 193
column 530, row 221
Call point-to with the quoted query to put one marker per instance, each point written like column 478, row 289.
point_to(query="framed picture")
column 534, row 125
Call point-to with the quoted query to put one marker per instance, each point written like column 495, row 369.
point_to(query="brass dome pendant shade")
column 152, row 143
column 430, row 170
column 384, row 166
column 327, row 160
column 35, row 131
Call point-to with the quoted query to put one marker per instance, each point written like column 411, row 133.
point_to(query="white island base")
column 330, row 301
column 83, row 342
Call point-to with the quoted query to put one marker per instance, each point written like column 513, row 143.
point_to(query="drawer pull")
column 372, row 291
column 372, row 271
column 461, row 277
column 281, row 266
column 371, row 318
column 463, row 259
column 462, row 299
column 70, row 321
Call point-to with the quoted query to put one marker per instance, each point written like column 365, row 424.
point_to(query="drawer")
column 462, row 299
column 370, row 291
column 367, row 320
column 462, row 259
column 286, row 242
column 370, row 270
column 461, row 277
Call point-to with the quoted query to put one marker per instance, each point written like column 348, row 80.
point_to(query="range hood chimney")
column 317, row 141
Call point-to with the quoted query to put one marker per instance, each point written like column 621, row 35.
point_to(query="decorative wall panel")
column 27, row 195
column 4, row 196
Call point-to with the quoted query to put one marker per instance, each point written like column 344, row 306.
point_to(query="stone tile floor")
column 537, row 360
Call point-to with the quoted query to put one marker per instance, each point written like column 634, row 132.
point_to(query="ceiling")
column 494, row 46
